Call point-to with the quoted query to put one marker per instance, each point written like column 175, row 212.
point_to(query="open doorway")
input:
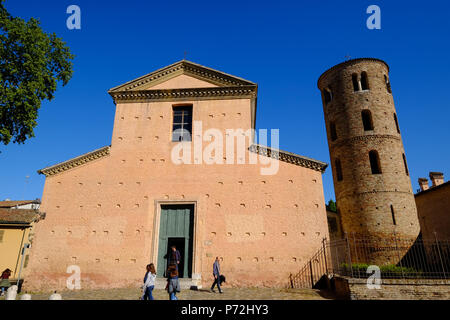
column 179, row 244
column 176, row 229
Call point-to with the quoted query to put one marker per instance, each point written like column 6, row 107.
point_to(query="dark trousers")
column 216, row 281
column 148, row 293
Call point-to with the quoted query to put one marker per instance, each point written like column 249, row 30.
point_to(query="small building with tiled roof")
column 18, row 216
column 16, row 230
column 21, row 204
column 433, row 207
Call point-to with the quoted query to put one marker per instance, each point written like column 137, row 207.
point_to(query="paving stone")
column 229, row 294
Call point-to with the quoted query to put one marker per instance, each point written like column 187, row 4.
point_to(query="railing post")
column 349, row 254
column 356, row 253
column 439, row 252
column 325, row 254
column 311, row 271
column 398, row 254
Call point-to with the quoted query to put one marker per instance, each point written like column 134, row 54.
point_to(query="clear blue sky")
column 284, row 46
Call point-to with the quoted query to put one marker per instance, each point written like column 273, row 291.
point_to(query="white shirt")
column 150, row 280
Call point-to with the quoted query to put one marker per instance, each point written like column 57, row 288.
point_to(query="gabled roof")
column 75, row 162
column 226, row 85
column 289, row 157
column 183, row 67
column 12, row 204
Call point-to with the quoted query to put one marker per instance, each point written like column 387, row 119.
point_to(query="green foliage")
column 387, row 271
column 32, row 62
column 332, row 206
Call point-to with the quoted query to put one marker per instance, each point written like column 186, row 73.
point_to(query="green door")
column 176, row 228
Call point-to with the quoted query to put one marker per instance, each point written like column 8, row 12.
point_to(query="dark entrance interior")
column 179, row 243
column 176, row 229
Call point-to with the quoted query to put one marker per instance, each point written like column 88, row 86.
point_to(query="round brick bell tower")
column 371, row 178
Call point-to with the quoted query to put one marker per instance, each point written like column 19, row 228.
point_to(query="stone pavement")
column 229, row 294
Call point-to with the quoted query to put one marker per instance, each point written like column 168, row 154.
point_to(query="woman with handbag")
column 173, row 283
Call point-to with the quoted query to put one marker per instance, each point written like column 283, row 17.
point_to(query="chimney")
column 437, row 178
column 423, row 183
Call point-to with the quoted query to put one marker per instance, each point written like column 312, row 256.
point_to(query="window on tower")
column 364, row 81
column 388, row 84
column 355, row 82
column 327, row 95
column 393, row 215
column 333, row 132
column 182, row 123
column 374, row 159
column 338, row 167
column 396, row 123
column 367, row 120
column 406, row 166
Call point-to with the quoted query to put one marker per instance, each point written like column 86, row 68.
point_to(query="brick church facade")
column 114, row 210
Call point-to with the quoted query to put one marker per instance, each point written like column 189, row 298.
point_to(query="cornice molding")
column 183, row 67
column 265, row 151
column 214, row 76
column 289, row 157
column 183, row 94
column 75, row 162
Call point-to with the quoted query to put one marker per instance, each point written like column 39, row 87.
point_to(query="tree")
column 32, row 63
column 331, row 205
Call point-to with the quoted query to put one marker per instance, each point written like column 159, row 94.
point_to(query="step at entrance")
column 185, row 283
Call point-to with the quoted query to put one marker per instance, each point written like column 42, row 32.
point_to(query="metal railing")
column 396, row 258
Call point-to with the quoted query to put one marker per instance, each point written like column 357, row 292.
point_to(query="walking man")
column 216, row 274
column 174, row 257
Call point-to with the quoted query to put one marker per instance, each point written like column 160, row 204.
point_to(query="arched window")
column 393, row 215
column 388, row 84
column 364, row 81
column 333, row 132
column 374, row 162
column 396, row 123
column 355, row 82
column 367, row 120
column 327, row 95
column 337, row 165
column 404, row 163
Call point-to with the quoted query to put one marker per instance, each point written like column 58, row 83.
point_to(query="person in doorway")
column 149, row 282
column 4, row 281
column 174, row 257
column 173, row 284
column 216, row 274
